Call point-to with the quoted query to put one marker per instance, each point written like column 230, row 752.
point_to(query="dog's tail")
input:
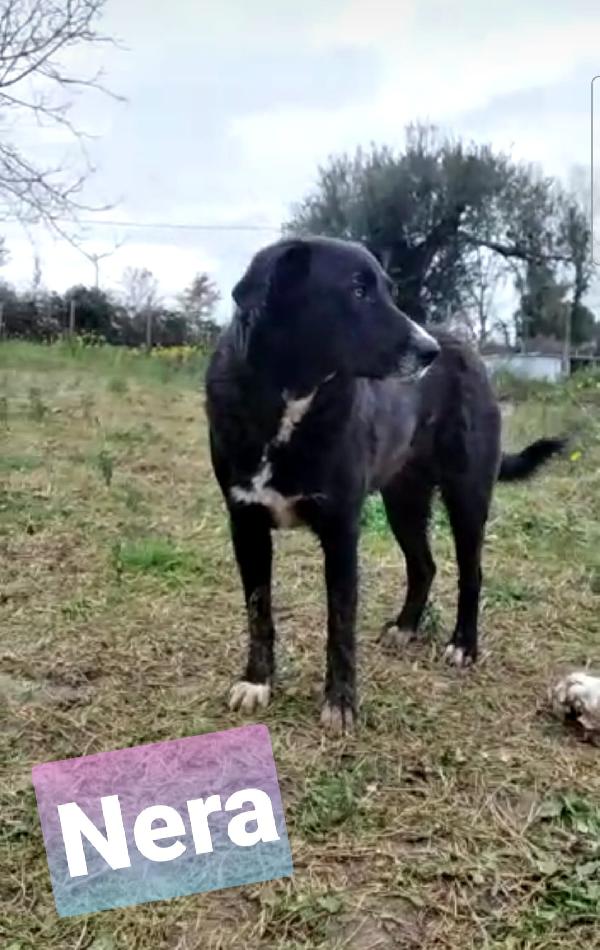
column 519, row 465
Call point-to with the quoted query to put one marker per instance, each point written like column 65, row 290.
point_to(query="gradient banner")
column 162, row 820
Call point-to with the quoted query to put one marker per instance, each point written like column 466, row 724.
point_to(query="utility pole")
column 1, row 321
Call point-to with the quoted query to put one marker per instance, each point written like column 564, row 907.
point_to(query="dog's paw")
column 337, row 720
column 457, row 656
column 577, row 696
column 395, row 640
column 248, row 697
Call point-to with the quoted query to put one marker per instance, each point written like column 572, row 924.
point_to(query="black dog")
column 318, row 394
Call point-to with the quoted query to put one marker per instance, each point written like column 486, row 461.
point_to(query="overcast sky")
column 231, row 107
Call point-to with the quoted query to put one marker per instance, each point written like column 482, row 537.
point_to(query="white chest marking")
column 260, row 493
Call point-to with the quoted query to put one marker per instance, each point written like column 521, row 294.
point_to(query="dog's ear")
column 248, row 293
column 290, row 270
column 273, row 276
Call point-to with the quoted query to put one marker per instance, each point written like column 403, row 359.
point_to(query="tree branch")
column 33, row 34
column 521, row 252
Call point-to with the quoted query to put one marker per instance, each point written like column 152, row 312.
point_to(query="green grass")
column 117, row 365
column 565, row 842
column 153, row 554
column 373, row 517
column 462, row 814
column 335, row 799
column 583, row 383
column 19, row 463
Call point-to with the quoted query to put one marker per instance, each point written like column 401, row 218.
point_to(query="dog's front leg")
column 251, row 535
column 339, row 540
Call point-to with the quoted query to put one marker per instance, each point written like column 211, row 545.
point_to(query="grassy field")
column 461, row 815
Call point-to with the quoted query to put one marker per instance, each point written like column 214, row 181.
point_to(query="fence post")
column 148, row 330
column 567, row 342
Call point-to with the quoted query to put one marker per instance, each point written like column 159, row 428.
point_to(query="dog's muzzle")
column 425, row 348
column 417, row 356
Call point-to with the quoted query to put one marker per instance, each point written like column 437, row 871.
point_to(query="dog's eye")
column 360, row 291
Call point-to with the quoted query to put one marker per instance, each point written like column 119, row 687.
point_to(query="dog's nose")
column 429, row 352
column 427, row 348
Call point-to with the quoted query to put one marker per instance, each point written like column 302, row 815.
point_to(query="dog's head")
column 310, row 308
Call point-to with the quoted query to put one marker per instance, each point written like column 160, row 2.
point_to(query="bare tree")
column 140, row 291
column 35, row 38
column 4, row 255
column 199, row 300
column 37, row 276
column 95, row 257
column 487, row 271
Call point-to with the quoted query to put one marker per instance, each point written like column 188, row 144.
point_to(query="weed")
column 78, row 609
column 37, row 407
column 506, row 593
column 333, row 798
column 301, row 916
column 134, row 436
column 117, row 385
column 432, row 621
column 373, row 517
column 106, row 465
column 133, row 498
column 87, row 403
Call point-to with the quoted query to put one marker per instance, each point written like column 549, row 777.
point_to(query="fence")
column 527, row 365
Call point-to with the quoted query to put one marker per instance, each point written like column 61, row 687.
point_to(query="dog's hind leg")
column 251, row 535
column 407, row 503
column 467, row 505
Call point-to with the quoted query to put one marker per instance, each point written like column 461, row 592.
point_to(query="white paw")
column 578, row 694
column 249, row 696
column 395, row 639
column 456, row 656
column 336, row 721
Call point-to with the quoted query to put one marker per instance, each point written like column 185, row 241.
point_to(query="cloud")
column 378, row 23
column 505, row 79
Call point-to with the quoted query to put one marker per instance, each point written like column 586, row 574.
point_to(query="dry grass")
column 460, row 816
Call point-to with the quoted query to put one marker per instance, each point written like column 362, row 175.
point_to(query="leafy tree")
column 578, row 238
column 96, row 313
column 543, row 310
column 552, row 292
column 425, row 212
column 38, row 314
column 31, row 316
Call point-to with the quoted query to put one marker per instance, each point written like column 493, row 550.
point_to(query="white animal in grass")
column 577, row 696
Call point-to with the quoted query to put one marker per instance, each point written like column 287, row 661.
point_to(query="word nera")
column 160, row 822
